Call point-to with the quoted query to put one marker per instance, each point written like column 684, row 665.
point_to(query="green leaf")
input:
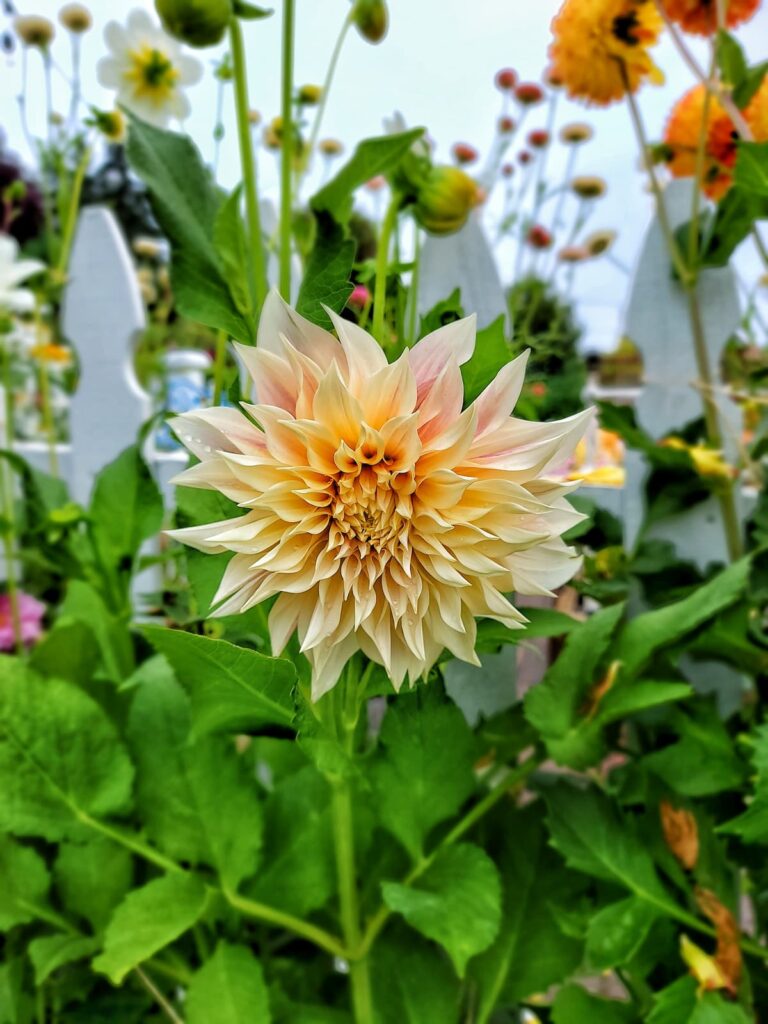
column 149, row 919
column 456, row 902
column 413, row 983
column 194, row 507
column 126, row 509
column 232, row 249
column 675, row 1003
column 82, row 604
column 724, row 233
column 730, row 59
column 181, row 787
column 371, row 157
column 711, row 1008
column 492, row 352
column 751, row 173
column 229, row 989
column 588, row 832
column 531, row 952
column 574, row 1005
column 60, row 757
column 617, row 932
column 231, row 689
column 422, row 773
column 69, row 651
column 250, row 12
column 649, row 632
column 185, row 203
column 92, row 878
column 326, row 276
column 24, row 883
column 750, row 84
column 49, row 952
column 299, row 868
column 702, row 761
column 752, row 825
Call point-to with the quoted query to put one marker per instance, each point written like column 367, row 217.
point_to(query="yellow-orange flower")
column 700, row 16
column 684, row 128
column 382, row 515
column 599, row 48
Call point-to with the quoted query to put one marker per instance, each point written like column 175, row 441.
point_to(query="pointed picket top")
column 102, row 316
column 464, row 260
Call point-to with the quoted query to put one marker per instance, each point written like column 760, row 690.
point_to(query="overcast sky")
column 436, row 66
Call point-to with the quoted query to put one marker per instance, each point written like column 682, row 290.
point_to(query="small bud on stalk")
column 75, row 18
column 445, row 199
column 309, row 95
column 506, row 79
column 528, row 94
column 539, row 238
column 538, row 138
column 506, row 125
column 464, row 154
column 34, row 30
column 371, row 18
column 576, row 133
column 589, row 186
column 330, row 147
column 198, row 23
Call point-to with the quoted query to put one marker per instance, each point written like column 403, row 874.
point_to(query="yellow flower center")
column 152, row 73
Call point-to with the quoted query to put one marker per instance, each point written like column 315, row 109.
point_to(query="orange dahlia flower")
column 382, row 516
column 600, row 47
column 700, row 16
column 684, row 127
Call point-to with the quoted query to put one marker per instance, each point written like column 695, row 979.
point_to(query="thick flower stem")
column 382, row 266
column 253, row 217
column 688, row 279
column 343, row 834
column 286, row 147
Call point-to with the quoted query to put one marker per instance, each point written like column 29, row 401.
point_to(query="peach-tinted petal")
column 429, row 356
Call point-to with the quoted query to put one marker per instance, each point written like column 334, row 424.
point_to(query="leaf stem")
column 286, row 148
column 270, row 915
column 382, row 266
column 158, row 996
column 253, row 217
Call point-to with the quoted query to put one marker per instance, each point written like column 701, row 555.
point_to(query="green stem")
column 158, row 996
column 413, row 298
column 262, row 912
column 286, row 148
column 219, row 365
column 512, row 780
column 68, row 228
column 382, row 266
column 6, row 486
column 327, row 87
column 253, row 217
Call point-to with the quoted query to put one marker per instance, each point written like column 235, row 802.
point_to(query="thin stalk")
column 261, row 912
column 68, row 228
column 382, row 266
column 6, row 486
column 46, row 55
column 158, row 996
column 286, row 150
column 701, row 149
column 344, row 842
column 327, row 83
column 74, row 101
column 726, row 499
column 257, row 266
column 512, row 780
column 413, row 298
column 219, row 365
column 218, row 126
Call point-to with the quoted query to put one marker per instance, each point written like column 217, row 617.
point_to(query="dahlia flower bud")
column 371, row 18
column 506, row 125
column 198, row 23
column 309, row 95
column 538, row 138
column 360, row 297
column 34, row 30
column 589, row 186
column 464, row 154
column 30, row 616
column 506, row 79
column 378, row 514
column 539, row 238
column 528, row 94
column 75, row 18
column 576, row 133
column 444, row 200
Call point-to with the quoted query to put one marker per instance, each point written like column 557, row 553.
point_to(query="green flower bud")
column 371, row 19
column 445, row 199
column 196, row 22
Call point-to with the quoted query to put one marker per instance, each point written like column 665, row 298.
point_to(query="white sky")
column 436, row 66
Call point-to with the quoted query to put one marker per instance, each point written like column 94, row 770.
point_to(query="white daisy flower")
column 12, row 272
column 148, row 69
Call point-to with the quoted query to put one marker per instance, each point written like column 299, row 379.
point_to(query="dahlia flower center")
column 624, row 28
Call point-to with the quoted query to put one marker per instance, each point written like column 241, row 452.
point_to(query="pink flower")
column 31, row 612
column 360, row 297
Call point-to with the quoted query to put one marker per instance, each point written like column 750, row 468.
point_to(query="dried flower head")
column 464, row 154
column 538, row 138
column 588, row 186
column 600, row 47
column 539, row 238
column 507, row 170
column 599, row 242
column 528, row 94
column 506, row 125
column 681, row 833
column 506, row 79
column 576, row 133
column 700, row 16
column 524, row 157
column 75, row 18
column 34, row 30
column 382, row 516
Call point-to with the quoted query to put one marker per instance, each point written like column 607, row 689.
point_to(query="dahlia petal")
column 363, row 353
column 496, row 403
column 336, row 408
column 278, row 318
column 442, row 402
column 199, row 537
column 429, row 356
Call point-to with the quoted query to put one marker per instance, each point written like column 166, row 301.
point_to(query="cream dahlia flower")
column 382, row 516
column 148, row 68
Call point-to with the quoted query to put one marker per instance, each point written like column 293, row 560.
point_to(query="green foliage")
column 492, row 351
column 229, row 988
column 326, row 280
